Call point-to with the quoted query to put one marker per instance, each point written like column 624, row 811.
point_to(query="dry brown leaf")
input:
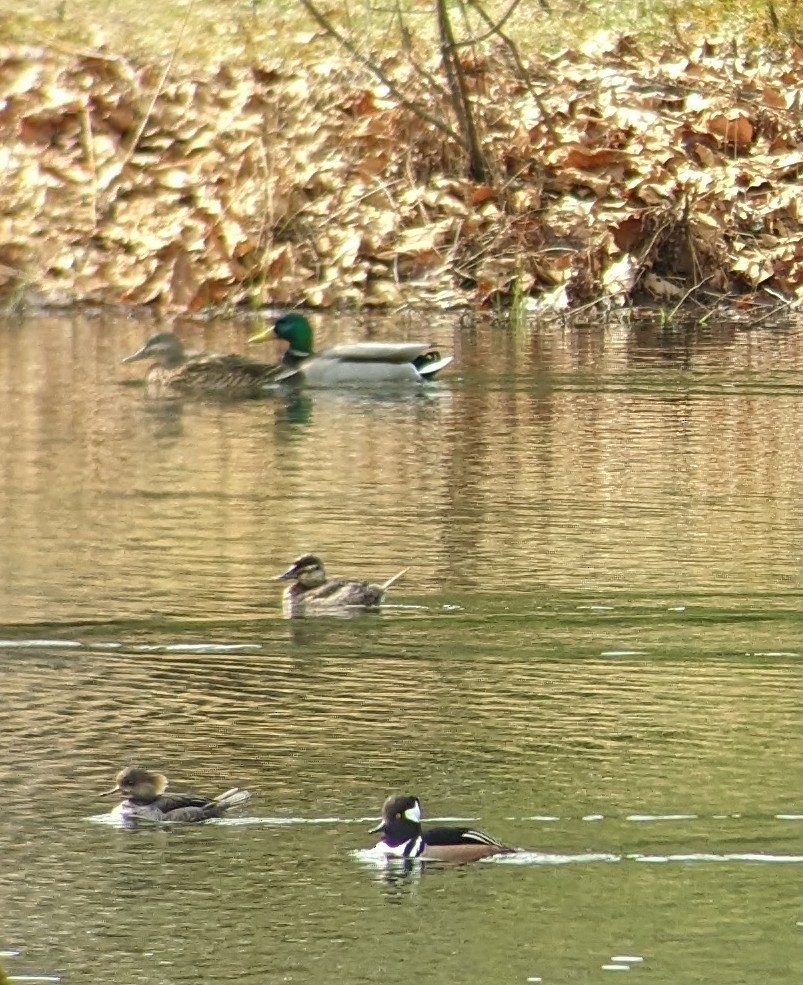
column 20, row 76
column 754, row 267
column 619, row 276
column 588, row 157
column 733, row 128
column 569, row 179
column 259, row 173
column 661, row 288
column 420, row 239
column 346, row 250
column 184, row 284
column 481, row 193
column 419, row 265
column 629, row 232
column 773, row 96
column 383, row 293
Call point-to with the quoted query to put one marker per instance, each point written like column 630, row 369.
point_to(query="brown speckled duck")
column 312, row 593
column 146, row 799
column 175, row 372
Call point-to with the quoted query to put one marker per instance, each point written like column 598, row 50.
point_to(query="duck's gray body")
column 146, row 799
column 179, row 808
column 355, row 364
column 367, row 364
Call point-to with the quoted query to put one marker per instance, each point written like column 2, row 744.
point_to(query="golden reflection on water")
column 601, row 618
column 613, row 459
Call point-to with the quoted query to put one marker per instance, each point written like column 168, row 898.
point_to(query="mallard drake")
column 403, row 837
column 176, row 372
column 146, row 800
column 359, row 363
column 312, row 593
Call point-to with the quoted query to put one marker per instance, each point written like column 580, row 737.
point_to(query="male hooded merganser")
column 312, row 593
column 175, row 372
column 146, row 799
column 404, row 837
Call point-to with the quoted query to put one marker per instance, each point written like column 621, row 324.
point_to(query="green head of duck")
column 294, row 329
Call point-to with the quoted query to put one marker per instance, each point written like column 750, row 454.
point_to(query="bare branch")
column 523, row 73
column 455, row 76
column 375, row 69
column 493, row 28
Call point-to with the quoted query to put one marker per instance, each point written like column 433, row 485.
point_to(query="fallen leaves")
column 619, row 176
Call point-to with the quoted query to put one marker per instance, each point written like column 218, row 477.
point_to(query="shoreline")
column 666, row 180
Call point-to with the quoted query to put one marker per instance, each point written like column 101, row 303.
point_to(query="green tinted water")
column 596, row 655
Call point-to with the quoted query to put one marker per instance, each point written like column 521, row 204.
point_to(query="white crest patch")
column 414, row 813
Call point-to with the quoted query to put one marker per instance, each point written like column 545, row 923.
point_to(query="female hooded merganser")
column 312, row 593
column 175, row 372
column 146, row 799
column 404, row 837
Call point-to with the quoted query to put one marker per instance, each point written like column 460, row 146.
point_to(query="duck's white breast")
column 407, row 849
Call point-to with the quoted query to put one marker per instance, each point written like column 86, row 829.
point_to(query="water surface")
column 596, row 655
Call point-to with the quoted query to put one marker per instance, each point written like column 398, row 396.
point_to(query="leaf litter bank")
column 663, row 178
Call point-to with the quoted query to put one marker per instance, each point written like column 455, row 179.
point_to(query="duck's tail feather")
column 232, row 798
column 432, row 363
column 386, row 584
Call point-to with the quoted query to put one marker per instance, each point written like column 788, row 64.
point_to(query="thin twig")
column 372, row 67
column 479, row 168
column 492, row 28
column 158, row 89
column 522, row 70
column 687, row 295
column 89, row 150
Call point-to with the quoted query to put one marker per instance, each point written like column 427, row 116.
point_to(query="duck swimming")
column 146, row 800
column 312, row 593
column 403, row 836
column 355, row 364
column 175, row 372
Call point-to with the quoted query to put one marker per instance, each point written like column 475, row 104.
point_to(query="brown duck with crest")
column 146, row 799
